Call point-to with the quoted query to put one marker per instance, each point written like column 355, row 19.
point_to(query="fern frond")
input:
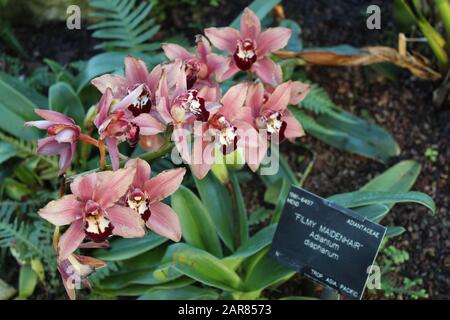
column 124, row 25
column 318, row 101
column 27, row 149
column 96, row 278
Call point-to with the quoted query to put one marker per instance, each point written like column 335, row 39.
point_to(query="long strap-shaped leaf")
column 363, row 198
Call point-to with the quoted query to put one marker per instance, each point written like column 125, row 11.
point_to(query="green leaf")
column 7, row 151
column 6, row 291
column 238, row 200
column 122, row 279
column 204, row 267
column 295, row 42
column 394, row 231
column 350, row 133
column 265, row 272
column 14, row 125
column 185, row 293
column 256, row 243
column 63, row 99
column 284, row 171
column 123, row 249
column 16, row 190
column 217, row 200
column 362, row 198
column 27, row 281
column 260, row 7
column 276, row 194
column 16, row 102
column 197, row 226
column 37, row 99
column 399, row 178
column 374, row 212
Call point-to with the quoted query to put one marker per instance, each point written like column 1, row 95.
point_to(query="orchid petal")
column 174, row 51
column 164, row 184
column 83, row 187
column 142, row 173
column 65, row 156
column 227, row 71
column 279, row 99
column 272, row 39
column 223, row 38
column 148, row 125
column 128, row 100
column 294, row 128
column 255, row 98
column 117, row 84
column 268, row 71
column 62, row 211
column 40, row 124
column 299, row 91
column 68, row 135
column 233, row 100
column 49, row 146
column 54, row 116
column 203, row 48
column 127, row 223
column 154, row 77
column 113, row 151
column 112, row 185
column 180, row 137
column 71, row 239
column 164, row 221
column 103, row 107
column 135, row 70
column 250, row 25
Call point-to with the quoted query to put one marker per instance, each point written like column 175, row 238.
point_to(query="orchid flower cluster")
column 182, row 99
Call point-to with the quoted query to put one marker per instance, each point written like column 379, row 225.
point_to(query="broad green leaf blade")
column 363, row 198
column 217, row 200
column 204, row 267
column 123, row 249
column 260, row 7
column 373, row 212
column 256, row 243
column 63, row 99
column 7, row 151
column 16, row 102
column 241, row 225
column 350, row 133
column 37, row 99
column 6, row 291
column 265, row 272
column 28, row 280
column 399, row 178
column 14, row 125
column 185, row 293
column 281, row 169
column 295, row 43
column 197, row 226
column 122, row 279
column 394, row 231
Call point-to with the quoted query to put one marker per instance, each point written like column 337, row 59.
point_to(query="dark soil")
column 403, row 107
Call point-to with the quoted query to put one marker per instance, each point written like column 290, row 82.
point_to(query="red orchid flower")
column 64, row 135
column 199, row 67
column 269, row 115
column 248, row 49
column 145, row 195
column 116, row 123
column 92, row 212
column 136, row 74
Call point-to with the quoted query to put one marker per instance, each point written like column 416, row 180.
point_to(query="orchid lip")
column 192, row 103
column 137, row 200
column 273, row 123
column 245, row 54
column 141, row 104
column 97, row 225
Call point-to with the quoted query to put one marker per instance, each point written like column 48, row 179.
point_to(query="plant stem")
column 102, row 149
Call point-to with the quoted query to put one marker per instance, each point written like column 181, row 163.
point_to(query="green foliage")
column 124, row 25
column 392, row 258
column 432, row 154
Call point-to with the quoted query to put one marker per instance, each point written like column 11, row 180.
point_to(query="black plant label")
column 326, row 242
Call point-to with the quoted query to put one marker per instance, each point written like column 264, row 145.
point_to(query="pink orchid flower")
column 199, row 67
column 228, row 129
column 74, row 272
column 181, row 107
column 92, row 212
column 248, row 49
column 136, row 74
column 145, row 196
column 271, row 117
column 116, row 123
column 64, row 135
